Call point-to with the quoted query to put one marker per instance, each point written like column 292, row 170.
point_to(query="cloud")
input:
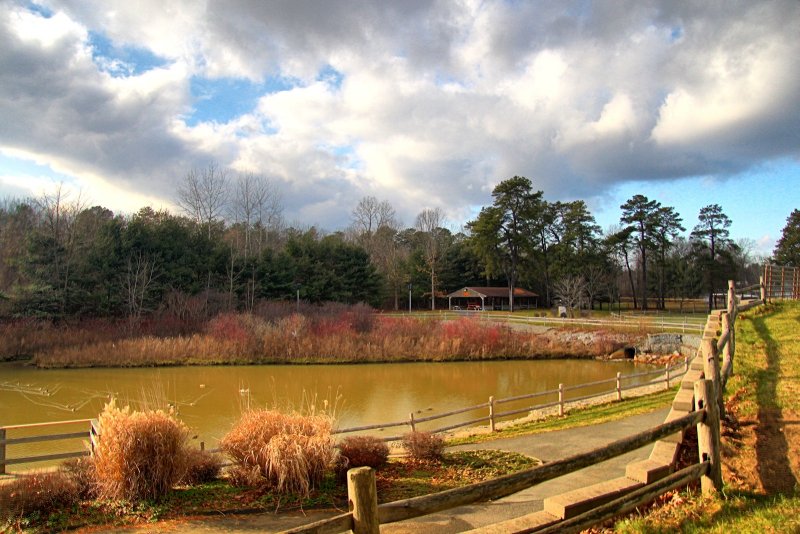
column 424, row 103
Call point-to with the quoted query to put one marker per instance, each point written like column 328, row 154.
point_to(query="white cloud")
column 437, row 101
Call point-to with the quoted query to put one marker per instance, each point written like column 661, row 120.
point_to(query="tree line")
column 231, row 248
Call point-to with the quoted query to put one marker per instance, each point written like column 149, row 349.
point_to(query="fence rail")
column 6, row 441
column 625, row 321
column 493, row 415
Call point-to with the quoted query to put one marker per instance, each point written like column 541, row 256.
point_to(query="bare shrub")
column 424, row 446
column 36, row 496
column 139, row 455
column 291, row 452
column 201, row 467
column 359, row 451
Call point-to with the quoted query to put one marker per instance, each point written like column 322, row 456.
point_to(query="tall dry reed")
column 288, row 452
column 139, row 455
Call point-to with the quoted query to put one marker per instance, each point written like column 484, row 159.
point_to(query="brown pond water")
column 209, row 398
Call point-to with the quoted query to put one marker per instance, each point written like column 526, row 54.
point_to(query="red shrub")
column 424, row 446
column 358, row 451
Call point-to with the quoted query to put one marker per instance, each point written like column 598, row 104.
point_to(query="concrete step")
column 688, row 380
column 673, row 414
column 576, row 502
column 647, row 471
column 665, row 452
column 525, row 523
column 684, row 401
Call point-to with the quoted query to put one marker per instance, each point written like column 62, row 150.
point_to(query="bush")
column 289, row 452
column 81, row 471
column 424, row 446
column 36, row 497
column 139, row 455
column 201, row 467
column 359, row 451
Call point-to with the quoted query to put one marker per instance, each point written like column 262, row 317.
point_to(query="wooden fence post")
column 411, row 422
column 727, row 350
column 363, row 500
column 561, row 400
column 731, row 307
column 491, row 414
column 94, row 433
column 2, row 451
column 711, row 369
column 763, row 290
column 708, row 435
column 666, row 368
column 619, row 386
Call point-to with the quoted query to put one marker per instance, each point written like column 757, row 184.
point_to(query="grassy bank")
column 760, row 442
column 337, row 335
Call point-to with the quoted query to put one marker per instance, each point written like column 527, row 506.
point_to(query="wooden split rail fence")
column 697, row 404
column 668, row 375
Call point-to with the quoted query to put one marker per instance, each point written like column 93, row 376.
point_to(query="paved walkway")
column 547, row 447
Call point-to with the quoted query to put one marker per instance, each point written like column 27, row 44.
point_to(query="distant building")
column 491, row 298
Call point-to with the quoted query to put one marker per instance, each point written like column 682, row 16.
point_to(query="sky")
column 422, row 103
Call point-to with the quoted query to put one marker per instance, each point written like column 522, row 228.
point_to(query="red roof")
column 500, row 292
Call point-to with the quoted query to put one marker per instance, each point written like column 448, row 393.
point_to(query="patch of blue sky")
column 22, row 177
column 122, row 60
column 223, row 99
column 754, row 213
column 345, row 154
column 39, row 9
column 331, row 76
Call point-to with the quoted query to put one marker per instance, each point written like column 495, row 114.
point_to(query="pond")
column 210, row 398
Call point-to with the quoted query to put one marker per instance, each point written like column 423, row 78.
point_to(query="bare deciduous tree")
column 429, row 224
column 257, row 206
column 571, row 290
column 203, row 194
column 139, row 277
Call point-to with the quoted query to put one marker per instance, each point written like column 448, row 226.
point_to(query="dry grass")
column 139, row 455
column 350, row 335
column 424, row 446
column 287, row 452
column 201, row 467
column 36, row 495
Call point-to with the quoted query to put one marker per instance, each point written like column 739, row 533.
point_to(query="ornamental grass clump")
column 289, row 453
column 424, row 446
column 139, row 455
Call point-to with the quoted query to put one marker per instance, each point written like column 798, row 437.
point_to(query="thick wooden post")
column 731, row 307
column 666, row 372
column 711, row 369
column 363, row 500
column 727, row 350
column 561, row 399
column 411, row 422
column 708, row 436
column 2, row 451
column 491, row 414
column 619, row 386
column 763, row 290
